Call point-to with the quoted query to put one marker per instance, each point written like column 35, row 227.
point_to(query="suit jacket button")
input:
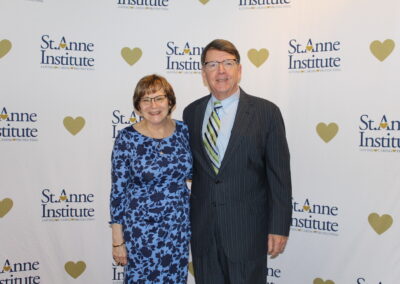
column 213, row 204
column 217, row 181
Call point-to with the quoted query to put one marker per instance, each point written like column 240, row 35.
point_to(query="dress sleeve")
column 185, row 131
column 121, row 161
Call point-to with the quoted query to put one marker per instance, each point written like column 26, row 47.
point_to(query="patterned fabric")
column 211, row 135
column 150, row 198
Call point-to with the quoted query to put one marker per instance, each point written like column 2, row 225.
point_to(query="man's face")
column 223, row 81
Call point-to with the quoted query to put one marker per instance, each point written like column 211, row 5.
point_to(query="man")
column 241, row 188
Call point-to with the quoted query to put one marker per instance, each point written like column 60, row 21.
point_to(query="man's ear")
column 203, row 75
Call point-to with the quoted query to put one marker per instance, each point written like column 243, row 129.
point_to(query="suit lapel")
column 241, row 123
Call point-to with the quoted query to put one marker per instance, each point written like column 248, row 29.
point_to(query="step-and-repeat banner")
column 67, row 73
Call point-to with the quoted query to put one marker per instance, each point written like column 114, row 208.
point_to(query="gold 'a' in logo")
column 133, row 118
column 380, row 224
column 5, row 206
column 384, row 122
column 186, row 49
column 131, row 56
column 306, row 205
column 75, row 269
column 381, row 50
column 258, row 57
column 74, row 125
column 5, row 47
column 7, row 266
column 63, row 43
column 327, row 132
column 3, row 114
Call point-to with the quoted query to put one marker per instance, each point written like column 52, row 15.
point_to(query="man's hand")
column 276, row 244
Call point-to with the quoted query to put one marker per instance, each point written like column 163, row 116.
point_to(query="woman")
column 149, row 202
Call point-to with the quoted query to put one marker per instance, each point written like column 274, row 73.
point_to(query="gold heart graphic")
column 320, row 281
column 381, row 50
column 191, row 269
column 258, row 57
column 63, row 198
column 306, row 207
column 74, row 125
column 380, row 224
column 4, row 116
column 131, row 56
column 5, row 206
column 6, row 268
column 75, row 269
column 383, row 124
column 186, row 50
column 204, row 1
column 133, row 119
column 63, row 45
column 327, row 132
column 309, row 47
column 5, row 46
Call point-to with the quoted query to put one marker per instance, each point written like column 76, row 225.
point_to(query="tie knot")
column 217, row 105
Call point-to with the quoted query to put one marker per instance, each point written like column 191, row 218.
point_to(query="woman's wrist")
column 118, row 245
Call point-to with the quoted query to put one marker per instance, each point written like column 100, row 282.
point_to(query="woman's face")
column 154, row 107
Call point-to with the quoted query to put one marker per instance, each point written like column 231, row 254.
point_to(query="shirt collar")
column 228, row 101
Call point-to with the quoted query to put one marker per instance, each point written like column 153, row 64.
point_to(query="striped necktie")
column 211, row 135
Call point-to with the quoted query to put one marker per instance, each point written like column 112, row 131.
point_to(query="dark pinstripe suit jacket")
column 251, row 195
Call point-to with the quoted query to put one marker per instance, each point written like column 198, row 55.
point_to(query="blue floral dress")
column 150, row 198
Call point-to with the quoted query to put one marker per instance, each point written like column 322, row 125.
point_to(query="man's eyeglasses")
column 157, row 100
column 213, row 65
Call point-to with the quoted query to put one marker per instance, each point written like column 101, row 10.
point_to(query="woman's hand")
column 119, row 252
column 120, row 255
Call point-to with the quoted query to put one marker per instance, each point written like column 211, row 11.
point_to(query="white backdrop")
column 68, row 70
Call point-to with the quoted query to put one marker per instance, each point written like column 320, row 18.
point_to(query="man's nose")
column 221, row 67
